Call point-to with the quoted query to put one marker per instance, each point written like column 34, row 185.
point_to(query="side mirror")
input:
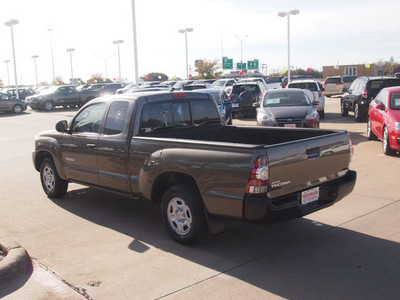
column 322, row 89
column 381, row 106
column 62, row 126
column 345, row 90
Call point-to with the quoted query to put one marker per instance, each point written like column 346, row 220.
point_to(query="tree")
column 207, row 68
column 154, row 76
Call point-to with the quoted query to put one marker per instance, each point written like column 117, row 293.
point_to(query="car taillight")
column 339, row 83
column 180, row 95
column 325, row 83
column 101, row 93
column 230, row 96
column 258, row 178
column 364, row 94
column 319, row 94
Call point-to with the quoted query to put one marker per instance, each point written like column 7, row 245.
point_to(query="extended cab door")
column 79, row 149
column 67, row 95
column 112, row 148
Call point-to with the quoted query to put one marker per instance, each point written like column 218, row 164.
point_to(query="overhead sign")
column 227, row 63
column 253, row 64
column 241, row 66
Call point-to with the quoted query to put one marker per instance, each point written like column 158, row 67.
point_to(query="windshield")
column 285, row 98
column 218, row 83
column 50, row 90
column 304, row 86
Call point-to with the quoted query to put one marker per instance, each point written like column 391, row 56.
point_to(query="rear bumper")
column 266, row 210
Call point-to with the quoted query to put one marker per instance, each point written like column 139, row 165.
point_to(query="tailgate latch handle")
column 313, row 153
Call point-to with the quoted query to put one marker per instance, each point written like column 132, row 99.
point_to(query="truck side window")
column 116, row 118
column 156, row 116
column 89, row 119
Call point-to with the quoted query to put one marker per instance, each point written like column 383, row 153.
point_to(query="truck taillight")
column 258, row 178
column 101, row 93
column 364, row 94
column 339, row 83
column 230, row 96
column 319, row 94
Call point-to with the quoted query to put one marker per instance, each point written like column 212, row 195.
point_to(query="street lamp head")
column 70, row 49
column 118, row 42
column 7, row 61
column 282, row 14
column 11, row 22
column 189, row 29
column 35, row 56
column 294, row 12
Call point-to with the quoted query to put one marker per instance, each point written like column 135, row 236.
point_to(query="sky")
column 324, row 33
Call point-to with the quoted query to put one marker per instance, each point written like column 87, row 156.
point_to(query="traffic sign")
column 241, row 66
column 253, row 64
column 227, row 63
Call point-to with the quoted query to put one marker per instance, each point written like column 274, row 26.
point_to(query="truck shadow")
column 299, row 259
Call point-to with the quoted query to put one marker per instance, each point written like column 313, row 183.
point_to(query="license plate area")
column 235, row 104
column 309, row 196
column 290, row 125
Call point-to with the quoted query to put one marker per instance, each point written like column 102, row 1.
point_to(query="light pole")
column 185, row 31
column 287, row 14
column 135, row 43
column 241, row 49
column 34, row 58
column 8, row 71
column 72, row 72
column 52, row 58
column 119, row 60
column 10, row 24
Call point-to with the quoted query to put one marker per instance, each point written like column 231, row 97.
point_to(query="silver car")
column 334, row 85
column 317, row 98
column 11, row 104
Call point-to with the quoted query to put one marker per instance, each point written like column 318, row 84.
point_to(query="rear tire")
column 183, row 213
column 357, row 113
column 386, row 143
column 53, row 185
column 370, row 134
column 48, row 106
column 343, row 110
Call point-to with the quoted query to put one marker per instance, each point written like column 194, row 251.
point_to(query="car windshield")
column 286, row 98
column 238, row 89
column 333, row 80
column 50, row 90
column 304, row 86
column 395, row 101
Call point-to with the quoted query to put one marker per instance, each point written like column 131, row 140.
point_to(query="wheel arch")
column 42, row 154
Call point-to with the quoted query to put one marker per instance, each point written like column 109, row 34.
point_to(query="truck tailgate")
column 303, row 164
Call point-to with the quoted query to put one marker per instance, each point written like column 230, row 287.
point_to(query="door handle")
column 91, row 146
column 313, row 153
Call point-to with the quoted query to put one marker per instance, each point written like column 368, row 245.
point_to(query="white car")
column 317, row 93
column 223, row 84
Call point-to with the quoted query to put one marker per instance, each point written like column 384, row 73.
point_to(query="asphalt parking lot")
column 110, row 247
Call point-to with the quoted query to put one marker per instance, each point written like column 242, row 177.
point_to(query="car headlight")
column 312, row 116
column 265, row 118
column 397, row 126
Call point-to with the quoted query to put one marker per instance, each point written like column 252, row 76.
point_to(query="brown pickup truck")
column 172, row 149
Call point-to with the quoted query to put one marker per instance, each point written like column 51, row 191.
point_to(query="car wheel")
column 370, row 134
column 343, row 110
column 53, row 185
column 17, row 109
column 183, row 213
column 385, row 143
column 48, row 106
column 357, row 113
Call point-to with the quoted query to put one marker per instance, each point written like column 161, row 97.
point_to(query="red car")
column 384, row 119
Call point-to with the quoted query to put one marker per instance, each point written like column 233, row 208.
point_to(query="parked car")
column 244, row 95
column 358, row 97
column 223, row 84
column 172, row 149
column 22, row 92
column 254, row 79
column 274, row 82
column 204, row 81
column 178, row 86
column 148, row 89
column 126, row 88
column 334, row 85
column 167, row 83
column 11, row 104
column 287, row 108
column 295, row 77
column 110, row 88
column 223, row 102
column 318, row 100
column 384, row 119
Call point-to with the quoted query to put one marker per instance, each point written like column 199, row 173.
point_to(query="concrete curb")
column 16, row 259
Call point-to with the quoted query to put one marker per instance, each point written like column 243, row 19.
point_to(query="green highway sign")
column 241, row 66
column 227, row 63
column 253, row 64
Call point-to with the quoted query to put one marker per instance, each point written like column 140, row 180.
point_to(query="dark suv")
column 357, row 98
column 244, row 94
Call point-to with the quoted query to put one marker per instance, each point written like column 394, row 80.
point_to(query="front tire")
column 17, row 109
column 48, row 106
column 358, row 115
column 53, row 185
column 385, row 143
column 183, row 213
